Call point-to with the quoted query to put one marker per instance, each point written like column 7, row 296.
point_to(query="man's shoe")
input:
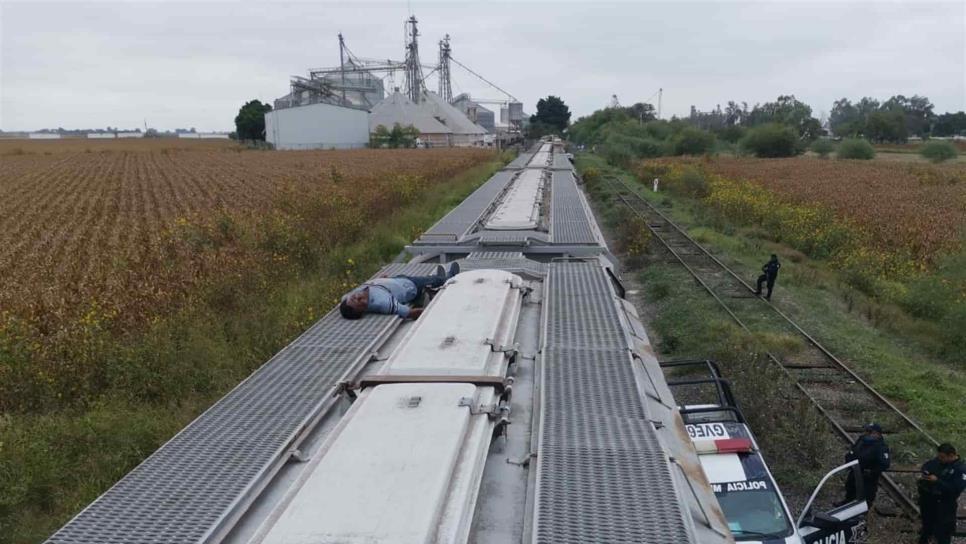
column 454, row 269
column 440, row 271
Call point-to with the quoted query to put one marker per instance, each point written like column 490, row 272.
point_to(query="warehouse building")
column 317, row 126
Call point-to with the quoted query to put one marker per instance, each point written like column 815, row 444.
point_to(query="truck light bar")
column 724, row 445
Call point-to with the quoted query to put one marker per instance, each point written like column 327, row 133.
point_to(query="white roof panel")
column 520, row 207
column 451, row 336
column 387, row 474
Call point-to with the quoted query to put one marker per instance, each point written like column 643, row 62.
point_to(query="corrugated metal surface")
column 569, row 217
column 512, row 261
column 191, row 485
column 511, row 236
column 461, row 219
column 521, row 160
column 317, row 126
column 602, row 474
column 561, row 162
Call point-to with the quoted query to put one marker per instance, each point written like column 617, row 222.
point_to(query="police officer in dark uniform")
column 769, row 274
column 873, row 455
column 941, row 482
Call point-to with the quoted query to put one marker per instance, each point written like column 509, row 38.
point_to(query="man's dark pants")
column 938, row 520
column 870, row 485
column 771, row 283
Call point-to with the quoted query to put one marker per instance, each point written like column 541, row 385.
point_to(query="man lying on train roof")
column 393, row 295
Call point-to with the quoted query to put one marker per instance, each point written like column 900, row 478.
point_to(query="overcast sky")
column 192, row 64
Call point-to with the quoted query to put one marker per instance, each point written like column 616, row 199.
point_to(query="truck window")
column 752, row 513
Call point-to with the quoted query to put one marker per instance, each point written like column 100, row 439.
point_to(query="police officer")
column 873, row 455
column 941, row 482
column 769, row 274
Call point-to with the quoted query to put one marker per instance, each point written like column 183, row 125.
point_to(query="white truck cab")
column 752, row 503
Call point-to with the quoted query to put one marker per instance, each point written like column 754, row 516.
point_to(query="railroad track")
column 843, row 397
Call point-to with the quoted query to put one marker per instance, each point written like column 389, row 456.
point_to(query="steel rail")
column 907, row 503
column 868, row 387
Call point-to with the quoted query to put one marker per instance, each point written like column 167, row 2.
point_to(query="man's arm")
column 414, row 313
column 954, row 485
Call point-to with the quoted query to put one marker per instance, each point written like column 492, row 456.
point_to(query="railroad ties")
column 841, row 395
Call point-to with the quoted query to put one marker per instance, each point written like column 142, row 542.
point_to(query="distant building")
column 439, row 124
column 480, row 115
column 101, row 136
column 43, row 136
column 130, row 135
column 203, row 135
column 317, row 126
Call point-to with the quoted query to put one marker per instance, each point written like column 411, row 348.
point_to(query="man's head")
column 873, row 429
column 946, row 453
column 774, row 257
column 355, row 304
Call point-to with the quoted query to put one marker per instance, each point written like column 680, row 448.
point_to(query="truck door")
column 824, row 522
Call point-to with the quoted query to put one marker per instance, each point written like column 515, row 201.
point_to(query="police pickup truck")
column 753, row 505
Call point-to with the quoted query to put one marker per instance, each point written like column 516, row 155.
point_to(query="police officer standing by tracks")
column 769, row 275
column 872, row 453
column 941, row 482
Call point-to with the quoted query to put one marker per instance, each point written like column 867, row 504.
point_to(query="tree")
column 845, row 119
column 732, row 133
column 552, row 111
column 641, row 111
column 772, row 140
column 692, row 141
column 886, row 126
column 399, row 136
column 787, row 110
column 250, row 121
column 917, row 111
column 735, row 114
column 950, row 124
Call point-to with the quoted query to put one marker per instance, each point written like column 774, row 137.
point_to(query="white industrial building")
column 317, row 126
column 203, row 135
column 43, row 136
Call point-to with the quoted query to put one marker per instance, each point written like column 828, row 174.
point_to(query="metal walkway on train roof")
column 565, row 227
column 609, row 467
column 195, row 486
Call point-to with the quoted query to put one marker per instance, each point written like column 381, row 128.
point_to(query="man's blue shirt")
column 389, row 295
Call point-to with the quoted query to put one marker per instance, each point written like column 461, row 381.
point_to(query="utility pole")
column 342, row 64
column 660, row 95
column 414, row 70
column 445, row 85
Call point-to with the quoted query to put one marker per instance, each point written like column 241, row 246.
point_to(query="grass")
column 686, row 323
column 55, row 463
column 879, row 342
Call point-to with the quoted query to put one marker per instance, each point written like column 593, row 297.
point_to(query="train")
column 525, row 404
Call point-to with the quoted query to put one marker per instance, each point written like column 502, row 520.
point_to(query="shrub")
column 692, row 141
column 633, row 237
column 591, row 176
column 694, row 184
column 771, row 140
column 619, row 155
column 732, row 134
column 938, row 151
column 822, row 147
column 856, row 148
